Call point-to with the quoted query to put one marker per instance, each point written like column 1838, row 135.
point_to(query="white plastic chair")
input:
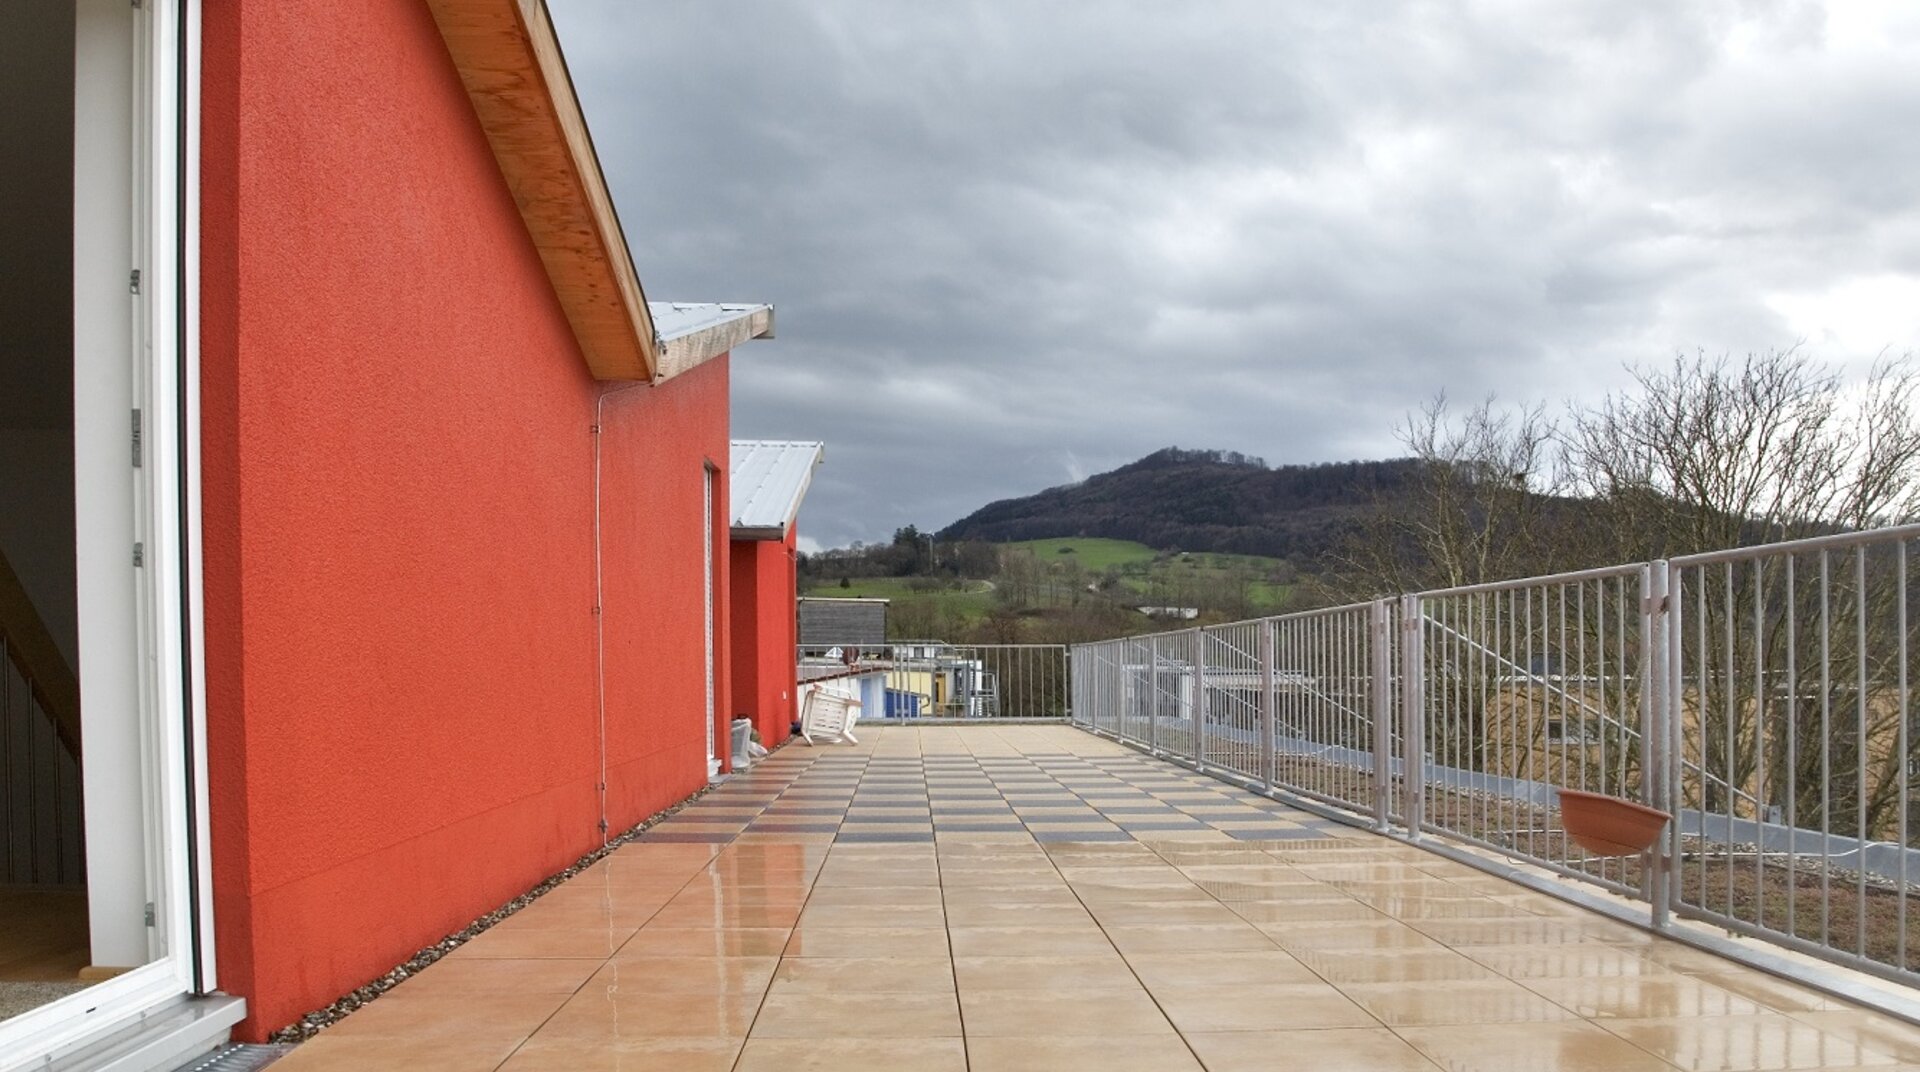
column 830, row 714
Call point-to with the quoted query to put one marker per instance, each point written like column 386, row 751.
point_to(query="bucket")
column 742, row 734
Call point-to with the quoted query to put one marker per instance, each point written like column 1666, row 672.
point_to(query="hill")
column 1200, row 500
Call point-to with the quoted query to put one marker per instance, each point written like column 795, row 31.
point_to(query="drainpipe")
column 599, row 619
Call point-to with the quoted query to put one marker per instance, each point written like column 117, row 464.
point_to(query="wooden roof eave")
column 510, row 62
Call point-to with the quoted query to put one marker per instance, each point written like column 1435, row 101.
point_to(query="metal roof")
column 768, row 478
column 693, row 332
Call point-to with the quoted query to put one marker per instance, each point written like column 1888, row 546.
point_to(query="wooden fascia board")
column 510, row 62
column 682, row 353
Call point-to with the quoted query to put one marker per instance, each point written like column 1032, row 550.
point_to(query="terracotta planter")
column 1609, row 826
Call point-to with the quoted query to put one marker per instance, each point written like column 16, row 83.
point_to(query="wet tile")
column 1561, row 1047
column 817, row 915
column 1730, row 1043
column 685, row 975
column 1248, row 1007
column 427, row 1014
column 852, row 1055
column 790, row 1013
column 1067, row 973
column 890, row 974
column 1056, row 1053
column 479, row 975
column 1642, row 997
column 1187, row 937
column 332, row 1052
column 564, row 1054
column 706, row 942
column 1460, row 1001
column 609, row 1014
column 867, row 942
column 1371, row 1049
column 1258, row 968
column 1042, row 1013
column 1028, row 941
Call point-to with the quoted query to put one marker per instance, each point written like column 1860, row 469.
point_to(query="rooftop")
column 768, row 479
column 990, row 898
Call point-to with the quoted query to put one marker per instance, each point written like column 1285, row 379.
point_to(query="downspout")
column 599, row 618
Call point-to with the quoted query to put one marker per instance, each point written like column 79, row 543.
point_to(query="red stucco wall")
column 764, row 634
column 399, row 519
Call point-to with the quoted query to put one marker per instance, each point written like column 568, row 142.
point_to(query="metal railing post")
column 1413, row 714
column 1197, row 698
column 1660, row 699
column 1267, row 759
column 1153, row 695
column 1380, row 707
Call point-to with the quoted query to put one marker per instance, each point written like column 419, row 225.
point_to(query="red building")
column 408, row 583
column 769, row 480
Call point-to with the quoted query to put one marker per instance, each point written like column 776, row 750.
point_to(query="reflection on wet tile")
column 1370, row 1049
column 1730, row 1043
column 1558, row 1047
column 1079, row 1053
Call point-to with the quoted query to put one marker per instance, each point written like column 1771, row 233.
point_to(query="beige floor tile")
column 686, row 975
column 1642, row 997
column 1018, row 915
column 729, row 894
column 1157, row 912
column 1038, row 1013
column 526, row 943
column 1187, row 937
column 1346, row 935
column 1257, row 968
column 867, row 942
column 1267, row 1007
column 1071, row 973
column 560, row 1054
column 1572, row 961
column 853, row 1055
column 1462, row 1001
column 1560, row 1047
column 1333, row 1050
column 338, row 1053
column 1881, row 1033
column 481, row 975
column 1055, row 1053
column 873, row 916
column 857, row 1014
column 427, row 1014
column 706, row 942
column 1022, row 876
column 1028, row 941
column 1303, row 911
column 1731, row 1043
column 878, row 876
column 833, row 974
column 624, row 1014
column 903, row 896
column 1769, row 992
column 726, row 916
column 1011, row 893
column 1393, row 965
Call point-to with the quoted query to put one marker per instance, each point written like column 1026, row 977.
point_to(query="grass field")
column 1094, row 555
column 973, row 599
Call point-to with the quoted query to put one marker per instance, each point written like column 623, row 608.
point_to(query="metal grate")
column 238, row 1058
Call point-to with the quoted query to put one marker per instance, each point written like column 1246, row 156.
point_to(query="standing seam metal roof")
column 767, row 481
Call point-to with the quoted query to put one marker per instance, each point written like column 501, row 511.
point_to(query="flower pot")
column 1609, row 826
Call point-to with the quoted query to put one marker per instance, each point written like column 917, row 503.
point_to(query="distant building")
column 1184, row 614
column 842, row 623
column 767, row 482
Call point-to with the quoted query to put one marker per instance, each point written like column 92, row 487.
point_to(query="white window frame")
column 164, row 359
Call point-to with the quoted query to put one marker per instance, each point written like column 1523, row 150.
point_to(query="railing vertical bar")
column 1900, row 625
column 1826, row 755
column 1860, row 742
column 1728, row 775
column 1793, row 748
column 1760, row 710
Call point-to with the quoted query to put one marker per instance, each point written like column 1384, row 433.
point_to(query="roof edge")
column 509, row 59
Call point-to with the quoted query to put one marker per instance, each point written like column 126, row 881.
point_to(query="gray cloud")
column 1012, row 243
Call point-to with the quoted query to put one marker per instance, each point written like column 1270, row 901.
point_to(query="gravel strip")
column 318, row 1020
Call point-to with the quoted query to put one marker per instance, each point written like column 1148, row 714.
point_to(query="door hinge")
column 149, row 916
column 139, row 555
column 136, row 439
column 133, row 280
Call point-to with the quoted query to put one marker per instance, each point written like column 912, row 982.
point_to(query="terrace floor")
column 994, row 899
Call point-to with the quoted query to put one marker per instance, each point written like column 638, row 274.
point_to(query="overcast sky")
column 1014, row 243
